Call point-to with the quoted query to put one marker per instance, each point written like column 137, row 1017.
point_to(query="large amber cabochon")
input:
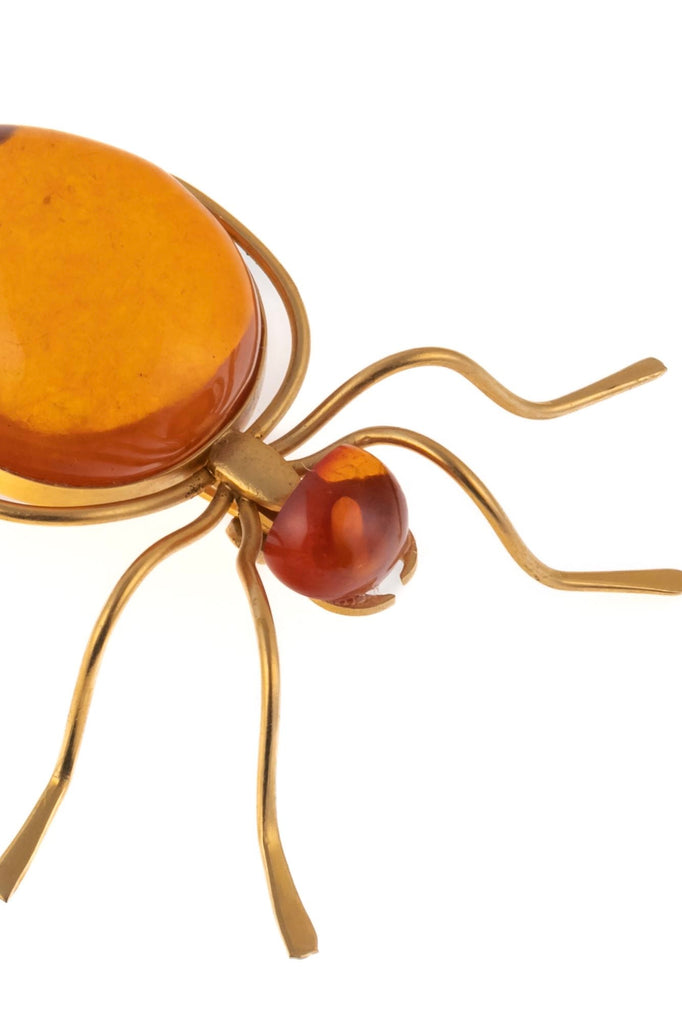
column 129, row 328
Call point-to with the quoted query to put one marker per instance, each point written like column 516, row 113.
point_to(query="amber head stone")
column 342, row 529
column 131, row 345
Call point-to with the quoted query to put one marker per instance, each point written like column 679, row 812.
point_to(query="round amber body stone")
column 129, row 327
column 341, row 530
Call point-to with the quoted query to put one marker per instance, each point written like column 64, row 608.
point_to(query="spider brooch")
column 132, row 343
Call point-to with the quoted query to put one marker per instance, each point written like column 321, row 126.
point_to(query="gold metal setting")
column 250, row 479
column 253, row 469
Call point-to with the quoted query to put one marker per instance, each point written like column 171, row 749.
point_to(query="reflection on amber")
column 129, row 330
column 341, row 530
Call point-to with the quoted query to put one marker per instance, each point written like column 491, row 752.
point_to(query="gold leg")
column 629, row 377
column 17, row 857
column 297, row 930
column 648, row 581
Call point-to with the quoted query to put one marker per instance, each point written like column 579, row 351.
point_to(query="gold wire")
column 19, row 854
column 648, row 581
column 295, row 925
column 293, row 304
column 629, row 377
column 91, row 514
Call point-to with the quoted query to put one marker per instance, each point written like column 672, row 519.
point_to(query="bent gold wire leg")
column 297, row 930
column 17, row 857
column 629, row 377
column 649, row 581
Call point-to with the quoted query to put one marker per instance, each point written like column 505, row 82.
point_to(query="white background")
column 481, row 789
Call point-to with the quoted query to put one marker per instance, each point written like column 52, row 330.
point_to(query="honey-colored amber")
column 129, row 329
column 341, row 530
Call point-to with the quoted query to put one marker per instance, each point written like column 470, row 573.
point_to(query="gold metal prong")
column 409, row 559
column 362, row 604
column 371, row 603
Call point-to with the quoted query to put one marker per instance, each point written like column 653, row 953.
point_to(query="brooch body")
column 132, row 344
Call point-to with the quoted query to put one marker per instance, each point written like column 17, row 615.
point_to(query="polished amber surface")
column 341, row 530
column 129, row 329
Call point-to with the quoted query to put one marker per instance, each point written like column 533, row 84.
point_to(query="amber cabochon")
column 129, row 326
column 342, row 529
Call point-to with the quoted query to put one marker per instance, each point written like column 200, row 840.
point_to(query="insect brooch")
column 132, row 344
